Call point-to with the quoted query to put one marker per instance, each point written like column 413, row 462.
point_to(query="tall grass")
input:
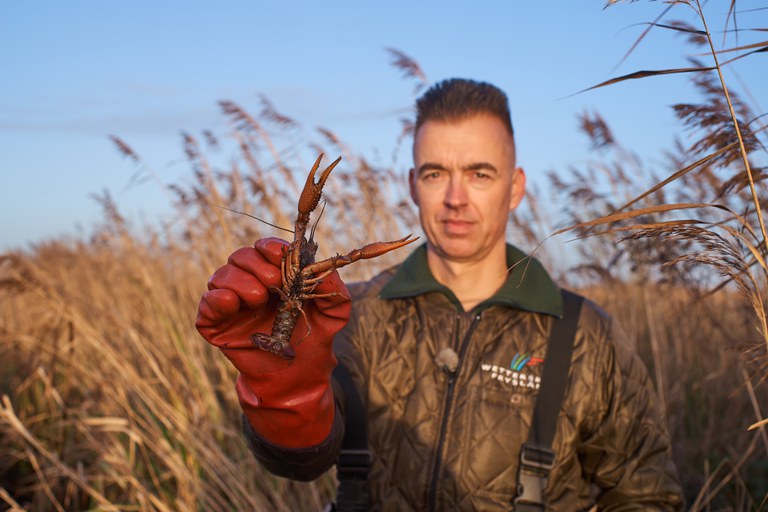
column 111, row 400
column 706, row 214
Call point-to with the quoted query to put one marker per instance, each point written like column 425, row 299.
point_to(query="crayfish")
column 301, row 274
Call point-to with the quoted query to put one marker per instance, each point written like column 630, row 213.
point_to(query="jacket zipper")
column 452, row 375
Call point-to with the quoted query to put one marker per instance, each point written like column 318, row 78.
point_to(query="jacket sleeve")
column 627, row 451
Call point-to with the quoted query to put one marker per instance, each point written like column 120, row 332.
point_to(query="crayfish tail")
column 273, row 345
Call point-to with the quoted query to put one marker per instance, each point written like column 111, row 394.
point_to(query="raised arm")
column 287, row 399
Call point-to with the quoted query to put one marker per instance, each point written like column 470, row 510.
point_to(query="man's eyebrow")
column 480, row 166
column 430, row 166
column 476, row 166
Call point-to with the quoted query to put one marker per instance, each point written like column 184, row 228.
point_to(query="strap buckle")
column 533, row 475
column 534, row 458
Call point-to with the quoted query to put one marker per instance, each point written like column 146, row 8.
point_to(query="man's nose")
column 456, row 193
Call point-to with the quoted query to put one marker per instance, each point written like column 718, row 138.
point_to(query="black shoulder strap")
column 536, row 455
column 353, row 467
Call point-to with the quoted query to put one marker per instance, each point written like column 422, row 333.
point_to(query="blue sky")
column 75, row 72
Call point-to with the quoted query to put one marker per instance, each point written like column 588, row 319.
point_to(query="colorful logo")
column 520, row 361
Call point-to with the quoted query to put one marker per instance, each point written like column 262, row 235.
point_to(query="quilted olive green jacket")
column 446, row 434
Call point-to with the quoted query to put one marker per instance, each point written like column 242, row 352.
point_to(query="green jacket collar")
column 528, row 286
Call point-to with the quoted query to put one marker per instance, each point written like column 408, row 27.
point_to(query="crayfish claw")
column 368, row 251
column 378, row 248
column 310, row 196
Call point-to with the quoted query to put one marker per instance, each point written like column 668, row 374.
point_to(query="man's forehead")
column 471, row 117
column 470, row 137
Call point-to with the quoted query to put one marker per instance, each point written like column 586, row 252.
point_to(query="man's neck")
column 471, row 282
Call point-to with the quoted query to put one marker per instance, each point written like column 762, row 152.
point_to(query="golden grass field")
column 111, row 399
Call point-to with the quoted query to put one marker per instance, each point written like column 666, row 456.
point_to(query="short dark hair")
column 459, row 98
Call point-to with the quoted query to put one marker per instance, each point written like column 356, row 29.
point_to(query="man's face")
column 465, row 183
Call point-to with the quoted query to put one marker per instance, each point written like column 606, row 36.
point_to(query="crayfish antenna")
column 249, row 215
column 314, row 226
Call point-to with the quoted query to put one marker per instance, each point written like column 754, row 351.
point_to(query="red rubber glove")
column 288, row 402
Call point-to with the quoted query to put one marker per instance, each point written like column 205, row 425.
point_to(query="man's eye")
column 481, row 176
column 430, row 176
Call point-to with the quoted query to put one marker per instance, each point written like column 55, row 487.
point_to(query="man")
column 446, row 349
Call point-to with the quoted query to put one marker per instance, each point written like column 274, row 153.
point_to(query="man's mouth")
column 457, row 226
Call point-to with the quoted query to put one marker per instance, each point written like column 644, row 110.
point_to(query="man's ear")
column 518, row 188
column 412, row 186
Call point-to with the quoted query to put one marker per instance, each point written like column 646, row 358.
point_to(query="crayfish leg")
column 324, row 296
column 311, row 282
column 306, row 320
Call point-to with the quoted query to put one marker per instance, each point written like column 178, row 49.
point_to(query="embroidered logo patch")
column 511, row 378
column 520, row 361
